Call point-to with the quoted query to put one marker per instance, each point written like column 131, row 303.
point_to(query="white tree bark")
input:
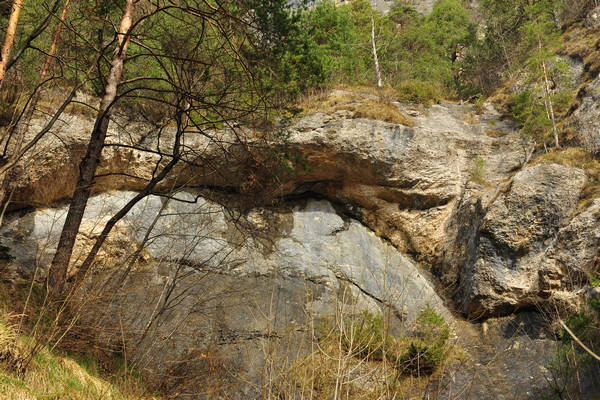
column 548, row 99
column 376, row 60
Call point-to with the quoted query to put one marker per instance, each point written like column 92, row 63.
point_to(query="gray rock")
column 498, row 255
column 586, row 118
column 592, row 19
column 400, row 181
column 403, row 180
column 232, row 288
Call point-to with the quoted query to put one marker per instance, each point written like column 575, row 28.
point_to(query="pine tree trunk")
column 43, row 75
column 9, row 174
column 377, row 71
column 549, row 100
column 87, row 169
column 9, row 39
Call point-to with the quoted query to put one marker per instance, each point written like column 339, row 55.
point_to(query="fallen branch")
column 579, row 342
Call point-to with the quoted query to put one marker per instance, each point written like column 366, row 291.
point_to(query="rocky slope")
column 381, row 204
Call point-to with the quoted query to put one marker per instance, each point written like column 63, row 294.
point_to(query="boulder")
column 511, row 247
column 586, row 118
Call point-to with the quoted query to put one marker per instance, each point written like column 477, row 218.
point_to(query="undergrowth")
column 357, row 358
column 574, row 372
column 379, row 108
column 34, row 369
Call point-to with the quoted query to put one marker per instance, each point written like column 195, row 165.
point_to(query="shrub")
column 572, row 368
column 5, row 253
column 364, row 337
column 414, row 91
column 427, row 352
column 478, row 172
column 495, row 133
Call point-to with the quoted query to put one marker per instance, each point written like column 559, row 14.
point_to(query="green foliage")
column 531, row 114
column 417, row 91
column 571, row 362
column 595, row 303
column 433, row 51
column 478, row 171
column 5, row 253
column 428, row 351
column 420, row 56
column 365, row 337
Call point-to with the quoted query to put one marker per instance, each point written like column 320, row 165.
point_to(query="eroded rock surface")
column 508, row 243
column 226, row 295
column 403, row 181
column 440, row 191
column 586, row 118
column 450, row 192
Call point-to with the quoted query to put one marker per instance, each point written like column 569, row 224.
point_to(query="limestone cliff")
column 381, row 207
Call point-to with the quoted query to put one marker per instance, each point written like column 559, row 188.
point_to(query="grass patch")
column 495, row 133
column 357, row 356
column 582, row 42
column 419, row 92
column 478, row 173
column 381, row 111
column 471, row 119
column 578, row 157
column 53, row 374
column 358, row 105
column 384, row 93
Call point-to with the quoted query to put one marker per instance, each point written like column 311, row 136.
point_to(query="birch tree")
column 540, row 38
column 375, row 59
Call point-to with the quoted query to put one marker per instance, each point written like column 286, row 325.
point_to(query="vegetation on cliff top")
column 198, row 66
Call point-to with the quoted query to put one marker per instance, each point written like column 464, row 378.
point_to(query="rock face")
column 401, row 181
column 510, row 246
column 379, row 202
column 419, row 187
column 586, row 118
column 226, row 295
column 592, row 19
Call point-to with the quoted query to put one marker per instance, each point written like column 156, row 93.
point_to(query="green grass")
column 478, row 172
column 55, row 374
column 356, row 354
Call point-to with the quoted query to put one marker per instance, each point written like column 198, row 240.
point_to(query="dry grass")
column 55, row 375
column 359, row 106
column 471, row 119
column 579, row 158
column 495, row 133
column 501, row 99
column 584, row 43
column 356, row 359
column 384, row 93
column 361, row 379
column 381, row 111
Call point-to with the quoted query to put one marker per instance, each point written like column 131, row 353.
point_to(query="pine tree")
column 540, row 38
